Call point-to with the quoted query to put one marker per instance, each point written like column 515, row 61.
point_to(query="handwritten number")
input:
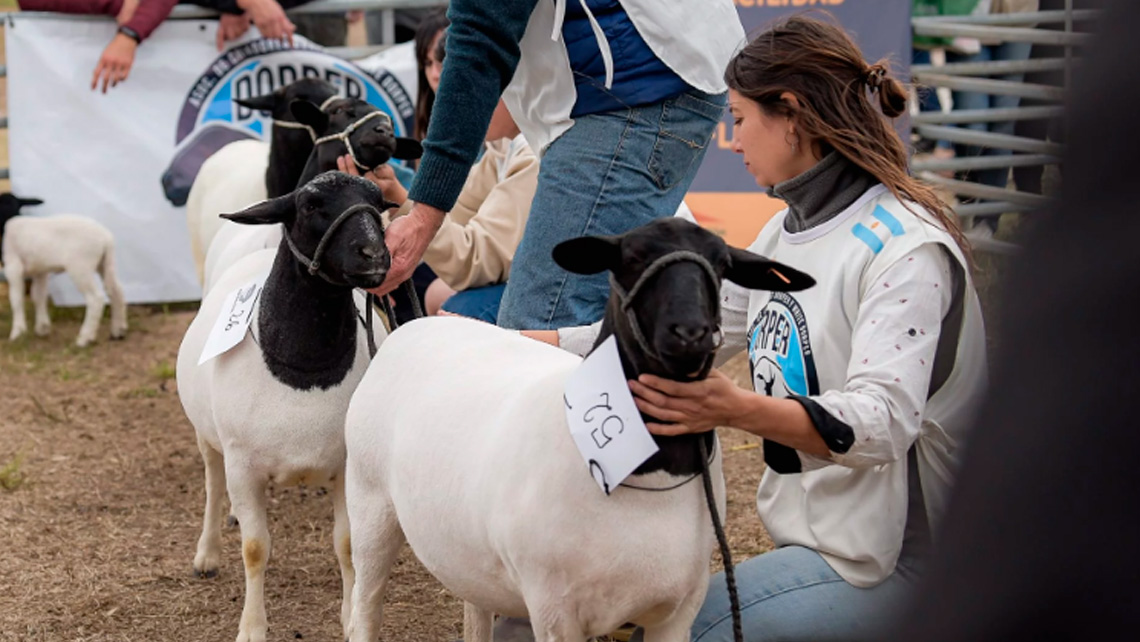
column 606, row 404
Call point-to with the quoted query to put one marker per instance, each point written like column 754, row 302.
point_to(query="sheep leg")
column 39, row 301
column 376, row 542
column 85, row 282
column 115, row 293
column 14, row 272
column 551, row 623
column 678, row 627
column 209, row 553
column 247, row 497
column 477, row 623
column 342, row 542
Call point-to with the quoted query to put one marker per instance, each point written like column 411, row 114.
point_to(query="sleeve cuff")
column 439, row 180
column 838, row 436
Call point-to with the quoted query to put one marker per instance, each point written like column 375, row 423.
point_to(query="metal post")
column 388, row 17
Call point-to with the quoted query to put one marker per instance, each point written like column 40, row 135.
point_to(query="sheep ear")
column 588, row 254
column 274, row 210
column 309, row 114
column 408, row 149
column 258, row 103
column 29, row 201
column 756, row 272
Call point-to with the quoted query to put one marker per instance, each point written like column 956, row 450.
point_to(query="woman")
column 864, row 385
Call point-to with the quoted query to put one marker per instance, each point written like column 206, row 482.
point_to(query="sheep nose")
column 369, row 252
column 689, row 334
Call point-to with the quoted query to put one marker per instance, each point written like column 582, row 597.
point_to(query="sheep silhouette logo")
column 210, row 119
column 779, row 349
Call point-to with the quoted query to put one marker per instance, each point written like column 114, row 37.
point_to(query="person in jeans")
column 620, row 98
column 863, row 387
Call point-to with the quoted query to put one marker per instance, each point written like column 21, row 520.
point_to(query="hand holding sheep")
column 693, row 407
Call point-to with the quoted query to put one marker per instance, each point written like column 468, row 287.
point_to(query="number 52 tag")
column 604, row 422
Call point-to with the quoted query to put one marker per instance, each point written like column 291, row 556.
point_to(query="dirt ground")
column 101, row 498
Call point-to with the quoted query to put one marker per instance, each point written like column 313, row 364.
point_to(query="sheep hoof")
column 43, row 330
column 231, row 521
column 207, row 574
column 119, row 336
column 83, row 342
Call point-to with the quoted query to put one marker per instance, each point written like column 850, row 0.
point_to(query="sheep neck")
column 289, row 151
column 678, row 455
column 306, row 326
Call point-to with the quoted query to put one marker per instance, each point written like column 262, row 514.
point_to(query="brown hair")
column 426, row 31
column 819, row 64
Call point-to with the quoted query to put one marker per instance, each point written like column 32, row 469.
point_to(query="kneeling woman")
column 863, row 385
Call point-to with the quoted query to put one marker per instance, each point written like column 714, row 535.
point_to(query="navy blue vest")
column 640, row 78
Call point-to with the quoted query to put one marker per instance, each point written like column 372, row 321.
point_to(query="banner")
column 724, row 197
column 127, row 158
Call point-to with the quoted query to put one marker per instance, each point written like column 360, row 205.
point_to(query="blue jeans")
column 976, row 100
column 792, row 595
column 477, row 303
column 611, row 172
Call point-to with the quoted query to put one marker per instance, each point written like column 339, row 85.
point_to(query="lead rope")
column 725, row 554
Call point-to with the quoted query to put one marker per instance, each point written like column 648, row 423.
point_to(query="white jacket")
column 694, row 38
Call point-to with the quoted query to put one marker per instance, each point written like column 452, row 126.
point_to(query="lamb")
column 271, row 409
column 35, row 248
column 248, row 171
column 372, row 145
column 488, row 487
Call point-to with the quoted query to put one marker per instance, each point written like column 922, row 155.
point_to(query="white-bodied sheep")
column 484, row 481
column 249, row 171
column 272, row 407
column 36, row 248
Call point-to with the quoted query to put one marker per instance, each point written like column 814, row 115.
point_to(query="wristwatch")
column 130, row 33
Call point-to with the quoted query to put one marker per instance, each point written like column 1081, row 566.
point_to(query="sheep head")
column 370, row 139
column 664, row 303
column 332, row 222
column 313, row 90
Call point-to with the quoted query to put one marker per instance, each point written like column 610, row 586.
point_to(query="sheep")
column 486, row 484
column 271, row 409
column 35, row 248
column 372, row 145
column 248, row 171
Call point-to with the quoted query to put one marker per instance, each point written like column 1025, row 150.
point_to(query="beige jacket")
column 477, row 241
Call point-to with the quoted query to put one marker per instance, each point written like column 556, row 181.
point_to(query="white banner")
column 126, row 158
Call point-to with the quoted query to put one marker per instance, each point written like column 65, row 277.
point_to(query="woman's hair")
column 837, row 91
column 429, row 27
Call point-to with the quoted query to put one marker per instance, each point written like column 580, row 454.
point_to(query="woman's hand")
column 383, row 177
column 270, row 19
column 115, row 64
column 231, row 27
column 693, row 407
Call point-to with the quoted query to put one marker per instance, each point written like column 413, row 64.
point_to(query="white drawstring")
column 603, row 44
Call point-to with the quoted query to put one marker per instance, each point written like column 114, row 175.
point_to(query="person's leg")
column 477, row 303
column 792, row 595
column 609, row 173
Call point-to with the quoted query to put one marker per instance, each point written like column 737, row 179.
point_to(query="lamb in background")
column 35, row 248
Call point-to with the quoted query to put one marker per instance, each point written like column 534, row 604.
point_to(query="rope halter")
column 313, row 265
column 344, row 135
column 626, row 299
column 289, row 124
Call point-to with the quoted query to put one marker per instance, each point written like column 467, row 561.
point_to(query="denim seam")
column 653, row 156
column 765, row 598
column 593, row 210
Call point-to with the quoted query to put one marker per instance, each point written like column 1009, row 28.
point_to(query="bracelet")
column 130, row 33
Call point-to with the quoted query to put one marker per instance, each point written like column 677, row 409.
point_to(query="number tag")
column 234, row 320
column 604, row 422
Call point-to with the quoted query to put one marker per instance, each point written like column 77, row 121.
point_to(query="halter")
column 343, row 136
column 626, row 298
column 289, row 124
column 313, row 265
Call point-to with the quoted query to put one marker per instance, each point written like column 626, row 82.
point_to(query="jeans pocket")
column 683, row 132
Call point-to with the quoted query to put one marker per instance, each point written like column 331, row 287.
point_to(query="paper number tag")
column 234, row 320
column 604, row 422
